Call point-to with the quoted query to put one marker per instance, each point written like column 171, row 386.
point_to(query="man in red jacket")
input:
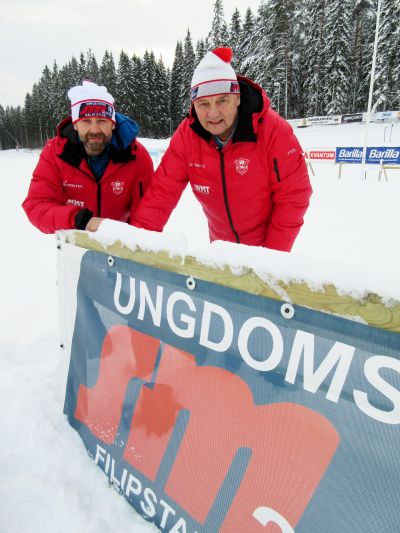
column 242, row 160
column 93, row 169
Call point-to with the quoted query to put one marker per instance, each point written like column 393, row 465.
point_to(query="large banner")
column 214, row 410
column 375, row 155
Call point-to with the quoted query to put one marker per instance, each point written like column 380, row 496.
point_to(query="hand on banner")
column 94, row 224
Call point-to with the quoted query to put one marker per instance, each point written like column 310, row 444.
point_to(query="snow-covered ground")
column 48, row 484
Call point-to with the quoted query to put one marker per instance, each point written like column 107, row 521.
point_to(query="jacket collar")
column 72, row 150
column 253, row 103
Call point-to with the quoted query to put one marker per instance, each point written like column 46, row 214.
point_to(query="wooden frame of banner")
column 371, row 309
column 383, row 167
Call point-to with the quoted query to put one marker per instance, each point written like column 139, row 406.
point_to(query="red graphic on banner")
column 291, row 445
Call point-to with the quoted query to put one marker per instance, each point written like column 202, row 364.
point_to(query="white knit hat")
column 90, row 100
column 214, row 75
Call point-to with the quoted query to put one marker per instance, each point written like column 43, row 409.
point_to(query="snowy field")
column 48, row 484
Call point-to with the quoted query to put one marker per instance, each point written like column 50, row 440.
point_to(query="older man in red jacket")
column 242, row 160
column 94, row 168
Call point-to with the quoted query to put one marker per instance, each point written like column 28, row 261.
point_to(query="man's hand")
column 94, row 224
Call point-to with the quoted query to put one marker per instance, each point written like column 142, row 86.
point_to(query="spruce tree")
column 315, row 60
column 189, row 59
column 177, row 82
column 336, row 84
column 91, row 72
column 247, row 41
column 107, row 73
column 361, row 55
column 201, row 51
column 218, row 35
column 124, row 92
column 137, row 90
column 234, row 41
column 386, row 86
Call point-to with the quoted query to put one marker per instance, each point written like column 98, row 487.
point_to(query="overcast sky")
column 35, row 32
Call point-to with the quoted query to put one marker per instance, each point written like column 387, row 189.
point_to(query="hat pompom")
column 225, row 54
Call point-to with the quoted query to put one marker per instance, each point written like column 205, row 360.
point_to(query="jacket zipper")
column 98, row 200
column 276, row 169
column 98, row 191
column 228, row 211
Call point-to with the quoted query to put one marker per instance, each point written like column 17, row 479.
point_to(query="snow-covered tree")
column 235, row 34
column 124, row 93
column 218, row 35
column 336, row 83
column 246, row 43
column 362, row 37
column 189, row 61
column 315, row 60
column 107, row 73
column 386, row 86
column 177, row 82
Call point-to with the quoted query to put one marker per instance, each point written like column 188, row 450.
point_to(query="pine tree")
column 218, row 35
column 336, row 84
column 161, row 101
column 188, row 68
column 247, row 41
column 201, row 51
column 235, row 30
column 256, row 44
column 361, row 55
column 386, row 86
column 107, row 73
column 138, row 104
column 315, row 60
column 91, row 72
column 177, row 82
column 124, row 92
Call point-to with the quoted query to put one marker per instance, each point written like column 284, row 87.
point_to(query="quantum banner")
column 214, row 410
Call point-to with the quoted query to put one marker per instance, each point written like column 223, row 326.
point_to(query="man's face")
column 217, row 114
column 95, row 134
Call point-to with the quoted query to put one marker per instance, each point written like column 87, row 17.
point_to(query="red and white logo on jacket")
column 117, row 187
column 242, row 165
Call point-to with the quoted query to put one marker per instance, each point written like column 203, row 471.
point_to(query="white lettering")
column 155, row 310
column 100, row 452
column 167, row 510
column 133, row 486
column 227, row 331
column 340, row 354
column 128, row 308
column 371, row 369
column 266, row 515
column 188, row 332
column 273, row 359
column 150, row 499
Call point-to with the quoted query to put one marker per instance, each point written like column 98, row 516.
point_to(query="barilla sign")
column 384, row 154
column 374, row 155
column 209, row 411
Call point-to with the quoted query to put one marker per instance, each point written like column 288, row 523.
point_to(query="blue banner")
column 374, row 155
column 210, row 411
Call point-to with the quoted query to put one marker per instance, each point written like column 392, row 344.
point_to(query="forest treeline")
column 313, row 57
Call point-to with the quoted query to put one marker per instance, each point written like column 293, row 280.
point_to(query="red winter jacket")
column 253, row 191
column 63, row 184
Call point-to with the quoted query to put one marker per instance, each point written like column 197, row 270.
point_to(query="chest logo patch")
column 117, row 187
column 242, row 165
